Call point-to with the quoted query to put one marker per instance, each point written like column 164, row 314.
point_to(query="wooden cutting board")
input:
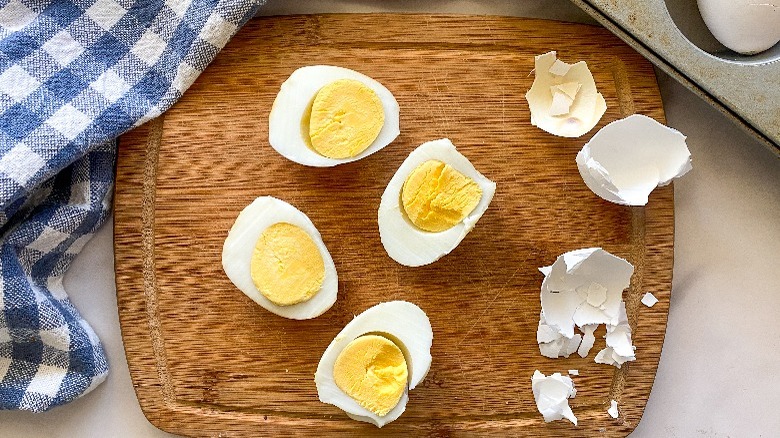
column 206, row 361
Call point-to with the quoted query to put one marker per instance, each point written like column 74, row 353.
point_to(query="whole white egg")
column 292, row 105
column 744, row 26
column 239, row 246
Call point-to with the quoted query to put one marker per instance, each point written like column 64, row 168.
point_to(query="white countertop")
column 717, row 376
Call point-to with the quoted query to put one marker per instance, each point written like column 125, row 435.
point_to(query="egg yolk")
column 346, row 117
column 287, row 266
column 437, row 197
column 372, row 370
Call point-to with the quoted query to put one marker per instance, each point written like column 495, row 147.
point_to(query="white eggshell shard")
column 285, row 133
column 619, row 347
column 403, row 241
column 573, row 278
column 613, row 409
column 240, row 244
column 408, row 326
column 552, row 394
column 588, row 339
column 628, row 158
column 563, row 98
column 649, row 300
column 552, row 343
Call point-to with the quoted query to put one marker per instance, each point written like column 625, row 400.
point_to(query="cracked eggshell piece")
column 240, row 244
column 552, row 396
column 407, row 326
column 613, row 409
column 628, row 158
column 588, row 339
column 574, row 372
column 552, row 344
column 285, row 132
column 563, row 99
column 649, row 300
column 573, row 278
column 403, row 241
column 619, row 346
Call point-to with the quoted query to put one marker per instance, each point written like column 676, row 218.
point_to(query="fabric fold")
column 74, row 75
column 49, row 354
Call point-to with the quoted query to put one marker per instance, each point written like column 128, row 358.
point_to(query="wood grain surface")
column 206, row 361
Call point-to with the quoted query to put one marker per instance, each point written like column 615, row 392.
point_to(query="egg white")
column 292, row 102
column 403, row 241
column 240, row 244
column 412, row 332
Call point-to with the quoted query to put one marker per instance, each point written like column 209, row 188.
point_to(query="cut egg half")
column 370, row 366
column 275, row 255
column 325, row 116
column 432, row 202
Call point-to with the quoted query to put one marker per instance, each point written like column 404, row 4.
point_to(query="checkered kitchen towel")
column 75, row 74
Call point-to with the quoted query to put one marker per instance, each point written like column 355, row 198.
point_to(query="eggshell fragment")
column 552, row 396
column 628, row 158
column 576, row 275
column 563, row 99
column 552, row 344
column 649, row 300
column 588, row 339
column 613, row 409
column 619, row 347
column 583, row 288
column 574, row 372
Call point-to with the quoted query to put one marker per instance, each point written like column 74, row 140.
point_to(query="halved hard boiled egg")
column 275, row 255
column 434, row 199
column 369, row 368
column 325, row 115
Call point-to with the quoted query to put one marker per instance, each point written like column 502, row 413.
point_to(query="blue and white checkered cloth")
column 74, row 75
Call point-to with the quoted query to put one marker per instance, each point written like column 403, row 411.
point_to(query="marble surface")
column 717, row 373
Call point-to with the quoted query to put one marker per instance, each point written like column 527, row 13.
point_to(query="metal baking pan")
column 672, row 35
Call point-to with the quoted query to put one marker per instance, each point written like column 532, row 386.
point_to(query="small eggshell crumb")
column 613, row 409
column 619, row 347
column 649, row 300
column 574, row 372
column 588, row 339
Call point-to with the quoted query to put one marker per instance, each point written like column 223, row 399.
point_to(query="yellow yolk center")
column 346, row 117
column 372, row 370
column 437, row 197
column 287, row 266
